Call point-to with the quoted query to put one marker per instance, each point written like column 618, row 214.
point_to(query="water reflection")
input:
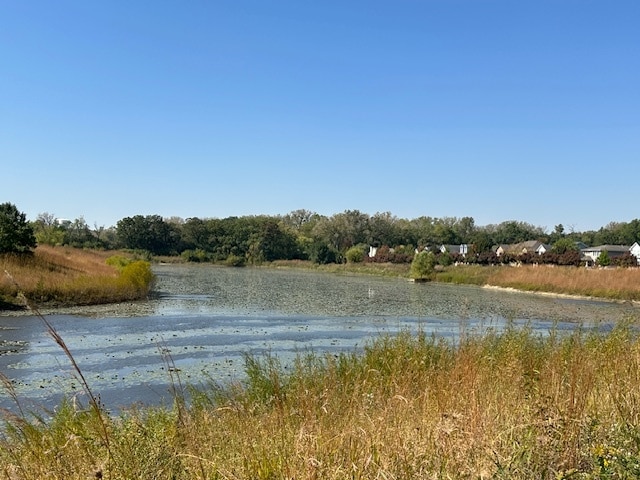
column 206, row 318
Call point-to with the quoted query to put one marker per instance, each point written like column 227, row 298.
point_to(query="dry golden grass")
column 614, row 283
column 62, row 275
column 611, row 283
column 505, row 406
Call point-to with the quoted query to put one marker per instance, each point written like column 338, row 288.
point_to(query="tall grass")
column 512, row 405
column 64, row 276
column 615, row 283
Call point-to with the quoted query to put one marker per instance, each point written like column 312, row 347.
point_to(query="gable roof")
column 608, row 248
column 530, row 246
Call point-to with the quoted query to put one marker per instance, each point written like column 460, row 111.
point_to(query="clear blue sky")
column 498, row 110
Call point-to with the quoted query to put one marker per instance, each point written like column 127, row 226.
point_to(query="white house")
column 530, row 246
column 542, row 248
column 461, row 249
column 593, row 253
column 635, row 251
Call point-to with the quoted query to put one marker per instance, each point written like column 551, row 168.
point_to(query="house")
column 635, row 251
column 530, row 246
column 591, row 254
column 542, row 248
column 581, row 246
column 461, row 249
column 501, row 249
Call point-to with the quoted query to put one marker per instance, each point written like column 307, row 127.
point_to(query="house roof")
column 608, row 248
column 518, row 248
column 451, row 248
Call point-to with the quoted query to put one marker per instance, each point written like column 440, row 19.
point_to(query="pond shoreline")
column 464, row 275
column 635, row 303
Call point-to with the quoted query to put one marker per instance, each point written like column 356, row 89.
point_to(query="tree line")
column 300, row 234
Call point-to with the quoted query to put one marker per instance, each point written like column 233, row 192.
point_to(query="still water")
column 202, row 320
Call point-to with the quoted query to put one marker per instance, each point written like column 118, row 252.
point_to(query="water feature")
column 203, row 319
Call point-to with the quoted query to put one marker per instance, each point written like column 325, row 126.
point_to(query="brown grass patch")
column 503, row 406
column 62, row 276
column 614, row 283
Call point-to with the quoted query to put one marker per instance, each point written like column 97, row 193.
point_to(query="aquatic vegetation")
column 512, row 404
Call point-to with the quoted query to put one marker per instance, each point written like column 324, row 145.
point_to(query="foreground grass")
column 510, row 405
column 68, row 276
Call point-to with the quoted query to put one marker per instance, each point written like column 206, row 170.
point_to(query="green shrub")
column 235, row 261
column 138, row 274
column 445, row 259
column 197, row 255
column 118, row 261
column 355, row 254
column 423, row 266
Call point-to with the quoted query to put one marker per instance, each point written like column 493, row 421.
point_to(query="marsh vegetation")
column 512, row 405
column 505, row 403
column 71, row 276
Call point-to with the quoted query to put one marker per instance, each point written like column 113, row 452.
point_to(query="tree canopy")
column 16, row 234
column 303, row 234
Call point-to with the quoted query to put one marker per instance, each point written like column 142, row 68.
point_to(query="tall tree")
column 47, row 230
column 515, row 232
column 78, row 234
column 384, row 230
column 150, row 233
column 16, row 234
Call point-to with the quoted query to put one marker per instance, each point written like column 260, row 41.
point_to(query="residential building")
column 591, row 254
column 530, row 246
column 635, row 251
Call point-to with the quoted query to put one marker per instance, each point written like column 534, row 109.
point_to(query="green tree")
column 384, row 230
column 196, row 234
column 423, row 266
column 515, row 232
column 322, row 254
column 47, row 230
column 421, row 231
column 276, row 242
column 150, row 233
column 343, row 230
column 480, row 242
column 16, row 234
column 78, row 234
column 564, row 245
column 604, row 260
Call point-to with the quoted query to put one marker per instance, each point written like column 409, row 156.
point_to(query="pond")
column 202, row 320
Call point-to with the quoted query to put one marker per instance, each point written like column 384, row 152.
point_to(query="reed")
column 614, row 283
column 68, row 276
column 511, row 404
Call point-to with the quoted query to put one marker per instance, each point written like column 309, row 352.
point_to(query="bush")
column 235, row 261
column 423, row 266
column 626, row 260
column 324, row 254
column 389, row 255
column 355, row 255
column 198, row 255
column 445, row 259
column 138, row 275
column 604, row 260
column 118, row 261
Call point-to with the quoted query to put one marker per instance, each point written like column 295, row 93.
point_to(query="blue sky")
column 495, row 109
